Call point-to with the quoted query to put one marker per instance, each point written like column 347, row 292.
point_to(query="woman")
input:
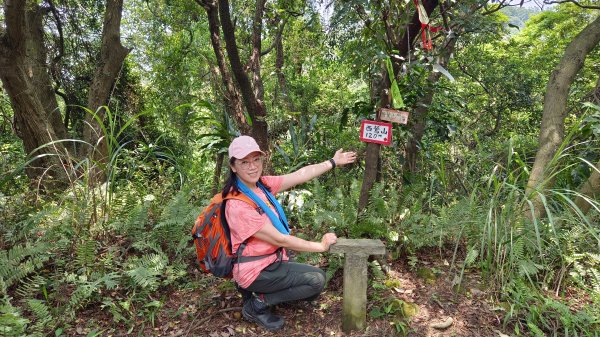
column 271, row 279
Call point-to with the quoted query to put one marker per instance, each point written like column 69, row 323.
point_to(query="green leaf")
column 248, row 118
column 94, row 333
column 376, row 313
column 286, row 158
column 294, row 138
column 397, row 101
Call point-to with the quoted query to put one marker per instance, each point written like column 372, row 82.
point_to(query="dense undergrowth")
column 124, row 244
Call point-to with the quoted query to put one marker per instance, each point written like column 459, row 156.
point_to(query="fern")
column 586, row 269
column 175, row 221
column 335, row 263
column 330, row 211
column 22, row 260
column 517, row 252
column 133, row 222
column 471, row 256
column 44, row 319
column 178, row 212
column 12, row 323
column 110, row 280
column 85, row 254
column 88, row 289
column 528, row 268
column 2, row 288
column 31, row 286
column 20, row 231
column 145, row 245
column 146, row 271
column 80, row 296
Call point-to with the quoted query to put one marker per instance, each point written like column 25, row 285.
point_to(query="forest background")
column 116, row 116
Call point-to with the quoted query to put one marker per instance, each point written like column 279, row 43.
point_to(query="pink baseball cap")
column 242, row 146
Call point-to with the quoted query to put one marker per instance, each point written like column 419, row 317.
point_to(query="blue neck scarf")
column 278, row 220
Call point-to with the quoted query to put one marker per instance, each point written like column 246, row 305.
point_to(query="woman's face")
column 249, row 169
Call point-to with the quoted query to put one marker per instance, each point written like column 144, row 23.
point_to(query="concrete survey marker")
column 357, row 252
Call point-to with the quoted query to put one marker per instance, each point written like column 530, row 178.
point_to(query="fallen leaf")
column 500, row 334
column 476, row 292
column 443, row 325
column 410, row 309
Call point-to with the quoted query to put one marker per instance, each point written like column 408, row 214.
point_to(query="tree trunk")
column 373, row 150
column 254, row 105
column 370, row 177
column 233, row 101
column 41, row 79
column 217, row 175
column 279, row 61
column 590, row 189
column 112, row 56
column 419, row 115
column 27, row 89
column 254, row 62
column 404, row 47
column 555, row 104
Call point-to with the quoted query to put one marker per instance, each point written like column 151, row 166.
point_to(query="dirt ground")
column 407, row 302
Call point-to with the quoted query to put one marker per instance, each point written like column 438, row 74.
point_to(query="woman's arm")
column 312, row 171
column 271, row 235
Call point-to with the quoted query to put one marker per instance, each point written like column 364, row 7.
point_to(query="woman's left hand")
column 342, row 158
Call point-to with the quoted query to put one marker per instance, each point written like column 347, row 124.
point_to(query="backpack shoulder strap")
column 241, row 197
column 244, row 198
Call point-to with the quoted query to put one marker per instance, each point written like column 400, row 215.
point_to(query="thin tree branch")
column 204, row 320
column 576, row 3
column 277, row 36
column 7, row 120
column 473, row 77
column 501, row 4
column 61, row 40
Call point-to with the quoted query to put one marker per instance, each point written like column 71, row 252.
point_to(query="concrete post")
column 357, row 251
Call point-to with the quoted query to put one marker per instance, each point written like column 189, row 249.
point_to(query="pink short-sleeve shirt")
column 244, row 221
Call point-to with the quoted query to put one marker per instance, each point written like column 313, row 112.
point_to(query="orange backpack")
column 213, row 241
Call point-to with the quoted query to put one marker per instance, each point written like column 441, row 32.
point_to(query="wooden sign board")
column 376, row 132
column 394, row 116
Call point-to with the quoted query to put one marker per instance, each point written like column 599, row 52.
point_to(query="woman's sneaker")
column 258, row 312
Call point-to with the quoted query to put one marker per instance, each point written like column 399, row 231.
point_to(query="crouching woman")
column 264, row 231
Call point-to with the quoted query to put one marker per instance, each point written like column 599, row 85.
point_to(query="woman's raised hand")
column 342, row 158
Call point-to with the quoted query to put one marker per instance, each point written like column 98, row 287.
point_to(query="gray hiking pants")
column 289, row 281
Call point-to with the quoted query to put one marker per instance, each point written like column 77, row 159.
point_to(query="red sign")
column 395, row 116
column 376, row 132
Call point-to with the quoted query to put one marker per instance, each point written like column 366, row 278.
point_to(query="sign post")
column 376, row 132
column 394, row 116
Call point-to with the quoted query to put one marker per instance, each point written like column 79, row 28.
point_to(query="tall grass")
column 543, row 261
